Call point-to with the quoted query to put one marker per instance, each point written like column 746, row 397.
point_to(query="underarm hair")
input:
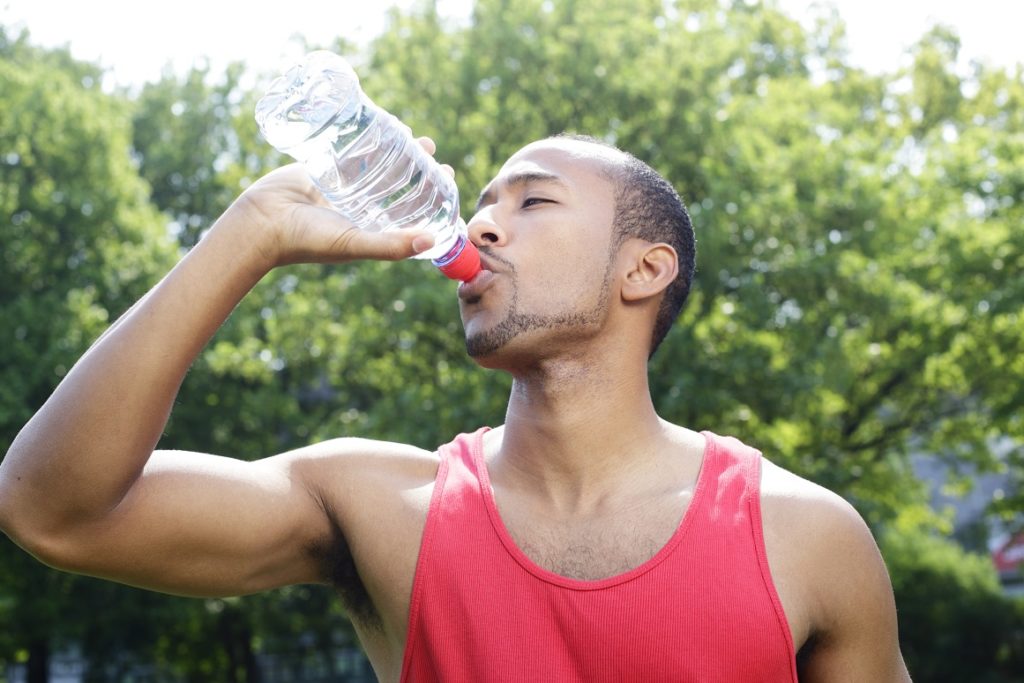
column 338, row 568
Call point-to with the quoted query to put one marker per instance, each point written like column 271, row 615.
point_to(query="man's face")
column 544, row 225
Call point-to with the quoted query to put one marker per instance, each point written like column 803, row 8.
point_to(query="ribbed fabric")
column 703, row 609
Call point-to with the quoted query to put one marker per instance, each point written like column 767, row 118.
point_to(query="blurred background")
column 855, row 174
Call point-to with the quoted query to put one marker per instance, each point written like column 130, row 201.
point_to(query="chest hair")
column 596, row 549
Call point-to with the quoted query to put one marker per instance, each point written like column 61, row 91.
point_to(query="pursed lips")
column 471, row 292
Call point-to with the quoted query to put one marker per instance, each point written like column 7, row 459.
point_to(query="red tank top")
column 703, row 609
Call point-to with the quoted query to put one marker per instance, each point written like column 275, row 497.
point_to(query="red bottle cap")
column 462, row 262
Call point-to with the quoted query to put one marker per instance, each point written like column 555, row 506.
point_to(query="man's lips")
column 471, row 291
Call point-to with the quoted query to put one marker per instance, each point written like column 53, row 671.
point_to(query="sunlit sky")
column 135, row 40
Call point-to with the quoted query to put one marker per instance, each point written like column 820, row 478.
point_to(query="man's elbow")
column 8, row 510
column 25, row 524
column 54, row 550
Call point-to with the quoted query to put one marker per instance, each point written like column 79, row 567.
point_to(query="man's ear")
column 652, row 268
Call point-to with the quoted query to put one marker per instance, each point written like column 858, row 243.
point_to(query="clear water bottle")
column 364, row 161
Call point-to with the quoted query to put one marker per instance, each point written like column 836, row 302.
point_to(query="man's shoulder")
column 349, row 476
column 823, row 558
column 354, row 454
column 822, row 544
column 779, row 482
column 799, row 503
column 809, row 513
column 832, row 578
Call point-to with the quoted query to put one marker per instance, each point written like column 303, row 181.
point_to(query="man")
column 584, row 540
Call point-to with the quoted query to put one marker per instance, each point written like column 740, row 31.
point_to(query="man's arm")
column 858, row 638
column 79, row 488
column 832, row 581
column 853, row 629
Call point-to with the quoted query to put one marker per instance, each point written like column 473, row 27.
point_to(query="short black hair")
column 648, row 207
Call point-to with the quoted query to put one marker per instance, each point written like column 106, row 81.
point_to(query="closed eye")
column 533, row 201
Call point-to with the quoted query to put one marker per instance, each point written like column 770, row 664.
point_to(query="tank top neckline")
column 548, row 576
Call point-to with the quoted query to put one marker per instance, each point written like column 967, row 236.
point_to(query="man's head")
column 648, row 207
column 578, row 201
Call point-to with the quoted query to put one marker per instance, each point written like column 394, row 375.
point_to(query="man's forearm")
column 80, row 453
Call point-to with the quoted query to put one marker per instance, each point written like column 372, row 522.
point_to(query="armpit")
column 338, row 568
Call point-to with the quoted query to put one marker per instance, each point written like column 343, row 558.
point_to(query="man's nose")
column 484, row 230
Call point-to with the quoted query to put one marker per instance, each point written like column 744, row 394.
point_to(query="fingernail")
column 422, row 243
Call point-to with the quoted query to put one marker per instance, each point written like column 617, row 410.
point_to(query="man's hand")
column 294, row 223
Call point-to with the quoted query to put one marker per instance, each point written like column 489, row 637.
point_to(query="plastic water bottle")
column 364, row 161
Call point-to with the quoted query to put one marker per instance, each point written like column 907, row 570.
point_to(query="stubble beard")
column 517, row 323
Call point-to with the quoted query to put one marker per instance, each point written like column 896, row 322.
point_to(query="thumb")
column 393, row 245
column 421, row 242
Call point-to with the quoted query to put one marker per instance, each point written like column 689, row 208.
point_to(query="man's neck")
column 577, row 432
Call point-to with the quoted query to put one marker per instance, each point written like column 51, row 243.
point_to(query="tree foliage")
column 857, row 295
column 853, row 248
column 972, row 633
column 81, row 243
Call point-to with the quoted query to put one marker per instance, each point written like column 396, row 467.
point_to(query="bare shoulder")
column 338, row 467
column 367, row 488
column 818, row 537
column 832, row 581
column 813, row 511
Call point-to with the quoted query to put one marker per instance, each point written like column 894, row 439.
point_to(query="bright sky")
column 134, row 40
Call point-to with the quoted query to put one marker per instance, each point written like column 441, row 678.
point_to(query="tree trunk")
column 38, row 668
column 236, row 636
column 252, row 668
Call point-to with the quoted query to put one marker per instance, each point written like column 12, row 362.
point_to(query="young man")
column 584, row 540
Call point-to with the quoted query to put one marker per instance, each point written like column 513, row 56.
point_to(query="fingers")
column 427, row 144
column 304, row 228
column 422, row 242
column 385, row 246
column 430, row 147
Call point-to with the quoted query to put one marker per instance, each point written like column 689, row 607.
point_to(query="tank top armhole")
column 425, row 555
column 757, row 526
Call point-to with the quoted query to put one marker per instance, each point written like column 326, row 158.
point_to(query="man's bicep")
column 198, row 524
column 858, row 638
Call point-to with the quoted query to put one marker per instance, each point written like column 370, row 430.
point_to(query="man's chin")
column 488, row 347
column 483, row 339
column 480, row 346
column 516, row 337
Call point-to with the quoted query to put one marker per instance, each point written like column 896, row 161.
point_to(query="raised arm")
column 79, row 488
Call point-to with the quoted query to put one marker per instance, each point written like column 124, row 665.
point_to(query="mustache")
column 490, row 256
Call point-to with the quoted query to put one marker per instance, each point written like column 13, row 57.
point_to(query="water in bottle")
column 364, row 161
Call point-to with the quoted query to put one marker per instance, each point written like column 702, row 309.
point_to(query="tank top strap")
column 736, row 470
column 462, row 460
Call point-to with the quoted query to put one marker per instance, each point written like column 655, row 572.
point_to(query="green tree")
column 857, row 295
column 831, row 320
column 955, row 624
column 197, row 145
column 81, row 243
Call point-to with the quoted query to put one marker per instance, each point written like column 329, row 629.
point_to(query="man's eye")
column 530, row 201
